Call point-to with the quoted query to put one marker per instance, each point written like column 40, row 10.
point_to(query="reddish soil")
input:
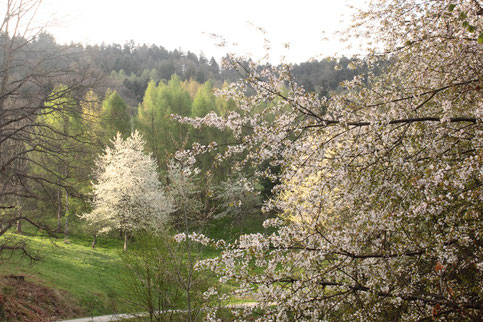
column 21, row 300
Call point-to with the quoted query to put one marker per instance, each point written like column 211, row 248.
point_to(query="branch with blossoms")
column 235, row 254
column 259, row 83
column 379, row 186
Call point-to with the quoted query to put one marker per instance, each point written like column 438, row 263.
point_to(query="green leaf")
column 480, row 38
column 466, row 24
column 451, row 7
column 471, row 28
column 462, row 16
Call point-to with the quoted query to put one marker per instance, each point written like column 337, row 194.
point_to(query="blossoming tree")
column 380, row 197
column 127, row 193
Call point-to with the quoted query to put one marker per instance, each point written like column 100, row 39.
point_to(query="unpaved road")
column 118, row 317
column 105, row 318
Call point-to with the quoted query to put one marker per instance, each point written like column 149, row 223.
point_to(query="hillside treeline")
column 129, row 67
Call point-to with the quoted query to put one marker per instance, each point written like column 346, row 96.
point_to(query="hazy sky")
column 185, row 24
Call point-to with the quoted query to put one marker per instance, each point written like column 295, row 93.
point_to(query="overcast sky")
column 185, row 24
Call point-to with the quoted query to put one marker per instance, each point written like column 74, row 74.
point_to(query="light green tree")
column 163, row 134
column 115, row 115
column 62, row 169
column 204, row 100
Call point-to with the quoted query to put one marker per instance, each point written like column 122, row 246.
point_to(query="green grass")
column 91, row 276
column 229, row 230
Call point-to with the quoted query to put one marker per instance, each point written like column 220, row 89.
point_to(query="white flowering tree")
column 127, row 193
column 381, row 186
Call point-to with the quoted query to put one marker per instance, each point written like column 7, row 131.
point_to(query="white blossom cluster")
column 381, row 195
column 127, row 192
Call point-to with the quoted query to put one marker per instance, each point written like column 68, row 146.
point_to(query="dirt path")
column 118, row 317
column 106, row 318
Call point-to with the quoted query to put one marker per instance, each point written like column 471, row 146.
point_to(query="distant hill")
column 128, row 68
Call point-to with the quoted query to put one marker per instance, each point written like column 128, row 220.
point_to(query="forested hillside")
column 128, row 68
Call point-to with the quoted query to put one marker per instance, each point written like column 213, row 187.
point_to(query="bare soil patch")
column 22, row 300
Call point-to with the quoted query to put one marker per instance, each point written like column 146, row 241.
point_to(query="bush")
column 161, row 279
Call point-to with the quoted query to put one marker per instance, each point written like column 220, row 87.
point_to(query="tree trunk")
column 125, row 241
column 19, row 227
column 94, row 240
column 66, row 227
column 190, row 259
column 19, row 222
column 59, row 211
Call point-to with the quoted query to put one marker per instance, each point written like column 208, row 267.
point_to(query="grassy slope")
column 91, row 276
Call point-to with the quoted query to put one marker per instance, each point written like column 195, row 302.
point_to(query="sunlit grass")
column 91, row 276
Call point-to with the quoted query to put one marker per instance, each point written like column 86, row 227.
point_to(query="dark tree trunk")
column 125, row 241
column 94, row 241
